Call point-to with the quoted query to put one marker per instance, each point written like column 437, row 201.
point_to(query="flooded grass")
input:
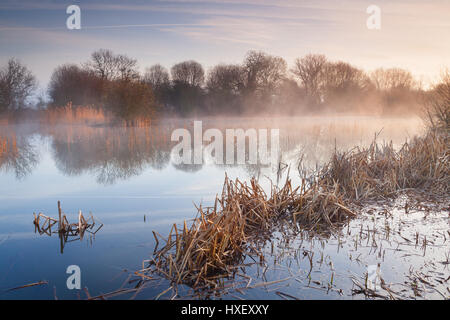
column 311, row 235
column 67, row 232
column 380, row 171
column 221, row 236
column 412, row 257
column 82, row 115
column 219, row 239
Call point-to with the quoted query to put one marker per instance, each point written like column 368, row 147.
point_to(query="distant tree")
column 224, row 85
column 110, row 66
column 438, row 104
column 187, row 80
column 343, row 85
column 129, row 100
column 189, row 73
column 396, row 89
column 341, row 76
column 263, row 73
column 186, row 99
column 17, row 83
column 290, row 97
column 70, row 83
column 225, row 78
column 394, row 78
column 158, row 78
column 309, row 71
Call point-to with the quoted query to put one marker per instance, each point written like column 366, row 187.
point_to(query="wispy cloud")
column 415, row 34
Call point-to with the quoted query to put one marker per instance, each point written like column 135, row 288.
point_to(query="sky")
column 414, row 34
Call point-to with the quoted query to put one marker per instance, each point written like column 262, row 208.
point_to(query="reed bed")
column 379, row 172
column 74, row 115
column 222, row 236
column 217, row 237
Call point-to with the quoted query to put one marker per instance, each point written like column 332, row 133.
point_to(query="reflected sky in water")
column 125, row 177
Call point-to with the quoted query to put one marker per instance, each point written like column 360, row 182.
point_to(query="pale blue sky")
column 414, row 34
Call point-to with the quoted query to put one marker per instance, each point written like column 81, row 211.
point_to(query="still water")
column 127, row 179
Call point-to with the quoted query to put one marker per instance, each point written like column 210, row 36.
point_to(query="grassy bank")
column 220, row 237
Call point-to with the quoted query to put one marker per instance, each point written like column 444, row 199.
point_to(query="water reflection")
column 67, row 232
column 113, row 154
column 17, row 154
column 68, row 158
column 109, row 154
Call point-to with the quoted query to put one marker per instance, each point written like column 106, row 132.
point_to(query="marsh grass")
column 67, row 232
column 381, row 171
column 90, row 115
column 222, row 236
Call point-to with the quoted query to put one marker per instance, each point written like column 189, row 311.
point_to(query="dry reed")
column 380, row 171
column 43, row 225
column 74, row 115
column 220, row 237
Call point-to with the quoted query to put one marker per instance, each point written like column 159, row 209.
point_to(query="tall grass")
column 72, row 115
column 379, row 171
column 89, row 115
column 221, row 236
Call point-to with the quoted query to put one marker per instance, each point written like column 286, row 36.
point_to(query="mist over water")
column 224, row 150
column 111, row 154
column 122, row 174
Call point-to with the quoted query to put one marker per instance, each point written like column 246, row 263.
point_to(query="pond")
column 127, row 179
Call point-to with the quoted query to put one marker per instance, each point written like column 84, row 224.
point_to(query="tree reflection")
column 17, row 154
column 117, row 153
column 110, row 154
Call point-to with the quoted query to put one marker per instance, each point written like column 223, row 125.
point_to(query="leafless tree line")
column 261, row 83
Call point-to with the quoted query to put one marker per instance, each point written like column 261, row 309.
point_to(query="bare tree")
column 70, row 83
column 17, row 83
column 394, row 78
column 343, row 86
column 225, row 78
column 438, row 111
column 225, row 84
column 157, row 76
column 309, row 71
column 396, row 89
column 110, row 66
column 188, row 72
column 186, row 95
column 127, row 68
column 263, row 72
column 341, row 77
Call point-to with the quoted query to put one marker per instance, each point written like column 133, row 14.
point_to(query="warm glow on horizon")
column 414, row 35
